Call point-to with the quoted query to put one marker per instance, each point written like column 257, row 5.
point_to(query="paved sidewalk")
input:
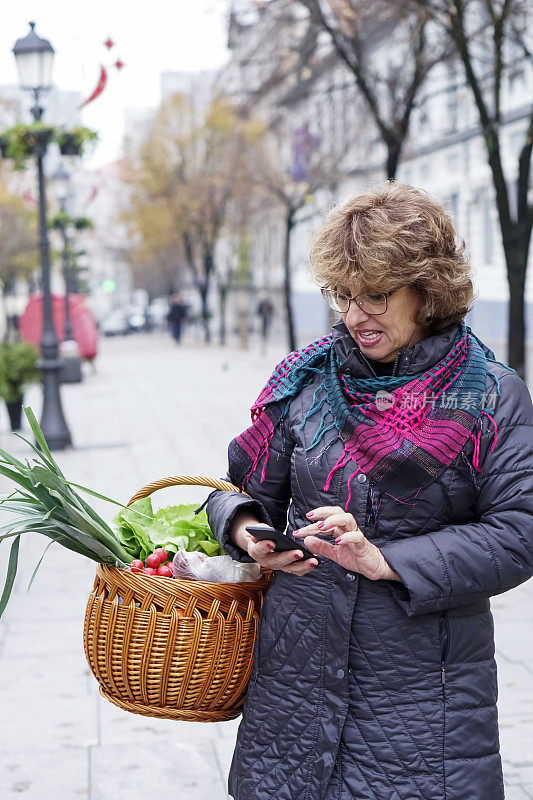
column 153, row 409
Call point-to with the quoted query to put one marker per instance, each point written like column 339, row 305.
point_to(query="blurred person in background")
column 177, row 315
column 265, row 312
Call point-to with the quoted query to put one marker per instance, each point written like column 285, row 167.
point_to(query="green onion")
column 48, row 504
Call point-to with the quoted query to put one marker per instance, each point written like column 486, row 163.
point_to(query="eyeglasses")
column 368, row 302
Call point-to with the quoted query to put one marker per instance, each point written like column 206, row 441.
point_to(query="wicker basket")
column 186, row 652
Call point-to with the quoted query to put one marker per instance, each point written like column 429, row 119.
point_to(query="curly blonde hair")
column 395, row 235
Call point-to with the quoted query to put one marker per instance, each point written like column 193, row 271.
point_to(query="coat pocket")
column 444, row 636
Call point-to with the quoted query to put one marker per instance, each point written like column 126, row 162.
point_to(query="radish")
column 162, row 553
column 149, row 571
column 136, row 565
column 165, row 571
column 153, row 561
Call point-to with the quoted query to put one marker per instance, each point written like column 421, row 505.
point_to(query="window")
column 453, row 205
column 488, row 241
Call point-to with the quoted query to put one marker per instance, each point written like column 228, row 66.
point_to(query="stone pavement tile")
column 179, row 770
column 44, row 774
column 224, row 749
column 516, row 792
column 48, row 675
column 514, row 640
column 516, row 735
column 515, row 689
column 228, row 730
column 57, row 719
column 118, row 726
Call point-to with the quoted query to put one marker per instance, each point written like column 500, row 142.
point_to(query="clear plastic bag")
column 198, row 566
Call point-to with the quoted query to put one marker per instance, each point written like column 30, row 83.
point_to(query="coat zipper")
column 444, row 631
column 445, row 640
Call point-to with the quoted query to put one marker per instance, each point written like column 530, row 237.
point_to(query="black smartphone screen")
column 282, row 542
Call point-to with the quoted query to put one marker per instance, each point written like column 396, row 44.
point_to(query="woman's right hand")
column 289, row 561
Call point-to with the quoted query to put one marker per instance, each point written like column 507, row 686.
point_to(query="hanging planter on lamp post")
column 74, row 142
column 21, row 142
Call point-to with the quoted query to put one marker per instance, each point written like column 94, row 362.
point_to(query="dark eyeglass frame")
column 386, row 295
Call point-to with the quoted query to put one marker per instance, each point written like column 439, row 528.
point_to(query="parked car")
column 136, row 317
column 157, row 312
column 115, row 322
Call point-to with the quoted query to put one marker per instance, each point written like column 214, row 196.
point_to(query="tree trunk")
column 223, row 290
column 289, row 225
column 516, row 256
column 202, row 284
column 209, row 268
column 203, row 288
column 394, row 149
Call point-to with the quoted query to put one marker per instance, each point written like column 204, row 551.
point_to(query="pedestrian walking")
column 265, row 312
column 402, row 452
column 177, row 315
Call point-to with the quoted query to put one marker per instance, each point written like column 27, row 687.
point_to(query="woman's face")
column 381, row 336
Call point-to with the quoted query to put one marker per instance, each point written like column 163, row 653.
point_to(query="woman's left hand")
column 351, row 550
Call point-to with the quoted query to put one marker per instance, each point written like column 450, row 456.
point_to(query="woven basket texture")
column 170, row 648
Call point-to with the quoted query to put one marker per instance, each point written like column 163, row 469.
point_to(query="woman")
column 407, row 453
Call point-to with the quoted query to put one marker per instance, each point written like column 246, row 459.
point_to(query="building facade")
column 444, row 154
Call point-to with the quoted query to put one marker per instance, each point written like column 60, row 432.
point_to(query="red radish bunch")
column 155, row 564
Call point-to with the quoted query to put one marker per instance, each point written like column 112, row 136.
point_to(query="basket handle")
column 184, row 480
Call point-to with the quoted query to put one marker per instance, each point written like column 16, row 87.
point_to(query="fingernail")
column 297, row 530
column 271, row 546
column 320, row 525
column 310, row 514
column 337, row 540
column 298, row 556
column 313, row 563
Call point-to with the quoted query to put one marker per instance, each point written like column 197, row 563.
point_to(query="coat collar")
column 413, row 360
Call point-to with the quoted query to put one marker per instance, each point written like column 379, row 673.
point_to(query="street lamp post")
column 34, row 58
column 71, row 372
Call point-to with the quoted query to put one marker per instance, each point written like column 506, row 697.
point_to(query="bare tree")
column 389, row 84
column 187, row 172
column 486, row 34
column 291, row 187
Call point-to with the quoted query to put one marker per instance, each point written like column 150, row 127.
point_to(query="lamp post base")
column 71, row 372
column 53, row 422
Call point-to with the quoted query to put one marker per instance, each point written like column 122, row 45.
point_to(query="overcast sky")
column 150, row 38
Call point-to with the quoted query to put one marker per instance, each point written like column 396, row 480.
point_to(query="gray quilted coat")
column 382, row 690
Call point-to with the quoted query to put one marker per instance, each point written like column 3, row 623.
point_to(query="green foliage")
column 59, row 221
column 62, row 220
column 46, row 503
column 83, row 135
column 83, row 224
column 19, row 140
column 140, row 531
column 18, row 366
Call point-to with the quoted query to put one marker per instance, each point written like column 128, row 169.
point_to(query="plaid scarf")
column 402, row 432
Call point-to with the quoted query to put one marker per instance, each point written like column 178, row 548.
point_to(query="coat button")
column 361, row 477
column 340, row 673
column 350, row 576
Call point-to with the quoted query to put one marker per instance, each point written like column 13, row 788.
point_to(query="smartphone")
column 282, row 542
